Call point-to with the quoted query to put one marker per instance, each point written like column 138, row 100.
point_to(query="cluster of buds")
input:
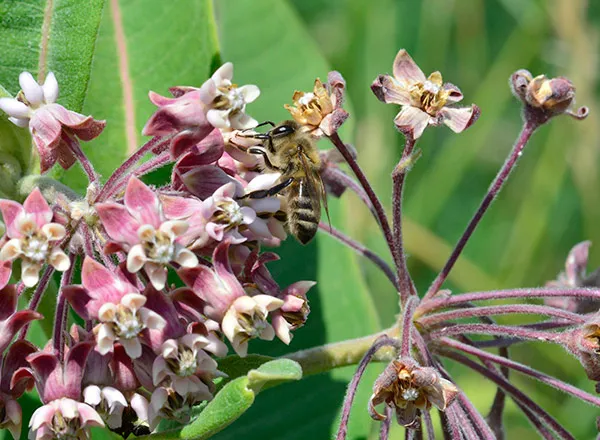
column 149, row 349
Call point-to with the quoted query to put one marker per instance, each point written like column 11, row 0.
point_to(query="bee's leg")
column 264, row 154
column 262, row 193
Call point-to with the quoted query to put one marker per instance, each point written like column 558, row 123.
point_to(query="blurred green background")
column 549, row 204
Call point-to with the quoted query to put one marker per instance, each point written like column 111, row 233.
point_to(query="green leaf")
column 234, row 399
column 270, row 47
column 142, row 46
column 274, row 373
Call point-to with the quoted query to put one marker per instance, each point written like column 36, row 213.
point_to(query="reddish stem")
column 81, row 157
column 407, row 325
column 528, row 129
column 380, row 342
column 549, row 380
column 384, row 431
column 377, row 206
column 61, row 316
column 407, row 286
column 495, row 330
column 120, row 172
column 543, row 292
column 437, row 318
column 514, row 392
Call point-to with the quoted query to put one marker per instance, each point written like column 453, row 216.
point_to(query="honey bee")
column 293, row 153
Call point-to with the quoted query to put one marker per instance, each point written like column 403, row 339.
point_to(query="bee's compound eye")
column 282, row 130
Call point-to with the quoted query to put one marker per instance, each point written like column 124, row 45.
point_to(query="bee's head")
column 283, row 129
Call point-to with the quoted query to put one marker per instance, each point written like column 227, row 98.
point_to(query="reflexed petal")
column 50, row 88
column 412, row 120
column 88, row 415
column 42, row 415
column 36, row 204
column 142, row 203
column 117, row 221
column 14, row 108
column 10, row 211
column 405, row 69
column 454, row 93
column 5, row 272
column 32, row 90
column 389, row 90
column 459, row 119
column 59, row 260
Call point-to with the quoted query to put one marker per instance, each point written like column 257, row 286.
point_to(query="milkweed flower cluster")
column 171, row 276
column 174, row 277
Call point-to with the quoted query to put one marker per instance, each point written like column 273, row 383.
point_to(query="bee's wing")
column 315, row 185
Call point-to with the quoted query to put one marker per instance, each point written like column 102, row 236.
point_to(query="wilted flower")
column 52, row 126
column 140, row 228
column 33, row 238
column 405, row 386
column 320, row 111
column 424, row 99
column 226, row 102
column 544, row 96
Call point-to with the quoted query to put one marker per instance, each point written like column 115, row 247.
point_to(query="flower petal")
column 405, row 69
column 50, row 88
column 459, row 119
column 32, row 90
column 36, row 204
column 117, row 221
column 142, row 203
column 413, row 121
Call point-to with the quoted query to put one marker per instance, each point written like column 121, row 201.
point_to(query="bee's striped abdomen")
column 304, row 212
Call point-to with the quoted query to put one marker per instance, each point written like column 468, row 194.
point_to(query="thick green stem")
column 340, row 354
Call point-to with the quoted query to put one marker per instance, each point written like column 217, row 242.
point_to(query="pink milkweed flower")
column 185, row 366
column 59, row 385
column 33, row 237
column 241, row 317
column 183, row 116
column 13, row 386
column 295, row 309
column 424, row 100
column 117, row 304
column 49, row 123
column 226, row 102
column 140, row 228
